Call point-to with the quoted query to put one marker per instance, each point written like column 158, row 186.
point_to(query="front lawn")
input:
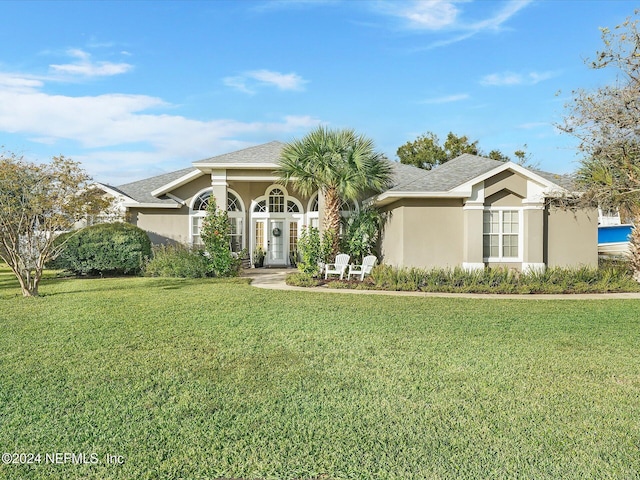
column 207, row 379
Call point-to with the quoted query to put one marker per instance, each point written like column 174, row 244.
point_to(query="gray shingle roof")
column 562, row 180
column 406, row 178
column 449, row 175
column 459, row 171
column 141, row 190
column 266, row 153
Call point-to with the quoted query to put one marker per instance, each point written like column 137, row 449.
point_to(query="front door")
column 277, row 254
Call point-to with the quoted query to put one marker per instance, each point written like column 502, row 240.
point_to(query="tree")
column 426, row 152
column 454, row 146
column 341, row 164
column 38, row 202
column 606, row 123
column 215, row 233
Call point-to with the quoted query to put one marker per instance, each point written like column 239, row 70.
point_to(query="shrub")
column 361, row 233
column 178, row 261
column 302, row 279
column 215, row 236
column 107, row 248
column 612, row 278
column 313, row 249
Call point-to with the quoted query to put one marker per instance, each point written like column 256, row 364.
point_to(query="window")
column 235, row 237
column 501, row 234
column 233, row 205
column 202, row 202
column 236, row 218
column 313, row 215
column 261, row 207
column 314, row 204
column 293, row 237
column 292, row 207
column 276, row 201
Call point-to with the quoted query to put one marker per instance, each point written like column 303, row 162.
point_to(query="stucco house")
column 471, row 211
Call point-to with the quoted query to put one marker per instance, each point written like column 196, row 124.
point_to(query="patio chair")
column 368, row 263
column 338, row 267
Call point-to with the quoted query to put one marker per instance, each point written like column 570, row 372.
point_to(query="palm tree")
column 341, row 164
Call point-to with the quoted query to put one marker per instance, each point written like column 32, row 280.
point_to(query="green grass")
column 206, row 379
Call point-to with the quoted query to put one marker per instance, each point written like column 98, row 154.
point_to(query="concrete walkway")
column 274, row 279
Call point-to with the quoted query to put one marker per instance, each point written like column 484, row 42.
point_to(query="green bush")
column 215, row 236
column 301, row 279
column 178, row 261
column 312, row 249
column 107, row 248
column 609, row 278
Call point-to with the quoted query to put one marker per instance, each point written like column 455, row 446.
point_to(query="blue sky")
column 134, row 89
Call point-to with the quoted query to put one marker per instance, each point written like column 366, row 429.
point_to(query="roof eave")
column 178, row 182
column 151, row 205
column 390, row 196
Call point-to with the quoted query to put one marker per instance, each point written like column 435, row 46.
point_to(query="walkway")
column 274, row 279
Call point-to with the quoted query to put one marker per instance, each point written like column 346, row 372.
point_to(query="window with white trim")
column 313, row 214
column 276, row 201
column 501, row 234
column 235, row 213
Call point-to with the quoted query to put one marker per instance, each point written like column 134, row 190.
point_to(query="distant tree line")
column 427, row 152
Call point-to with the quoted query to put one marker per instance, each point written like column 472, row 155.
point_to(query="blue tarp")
column 614, row 233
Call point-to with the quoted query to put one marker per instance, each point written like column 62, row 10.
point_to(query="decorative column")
column 219, row 184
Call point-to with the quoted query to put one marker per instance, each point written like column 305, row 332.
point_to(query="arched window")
column 276, row 201
column 235, row 212
column 233, row 204
column 261, row 207
column 313, row 215
column 202, row 201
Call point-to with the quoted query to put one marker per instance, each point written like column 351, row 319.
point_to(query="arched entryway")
column 276, row 219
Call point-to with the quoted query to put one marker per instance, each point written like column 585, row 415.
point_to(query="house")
column 471, row 211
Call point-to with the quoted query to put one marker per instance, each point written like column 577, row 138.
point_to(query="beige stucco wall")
column 164, row 225
column 572, row 237
column 508, row 180
column 191, row 189
column 391, row 242
column 424, row 233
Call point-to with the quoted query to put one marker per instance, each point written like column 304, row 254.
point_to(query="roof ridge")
column 235, row 152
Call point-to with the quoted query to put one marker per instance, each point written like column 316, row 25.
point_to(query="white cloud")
column 429, row 14
column 18, row 83
column 84, row 66
column 511, row 78
column 283, row 81
column 106, row 124
column 447, row 99
column 239, row 83
column 250, row 82
column 447, row 15
column 533, row 125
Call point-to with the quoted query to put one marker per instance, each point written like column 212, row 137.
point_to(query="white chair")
column 338, row 267
column 368, row 263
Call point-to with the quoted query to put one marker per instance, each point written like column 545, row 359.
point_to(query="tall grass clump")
column 609, row 278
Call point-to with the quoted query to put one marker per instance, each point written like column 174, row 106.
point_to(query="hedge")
column 107, row 248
